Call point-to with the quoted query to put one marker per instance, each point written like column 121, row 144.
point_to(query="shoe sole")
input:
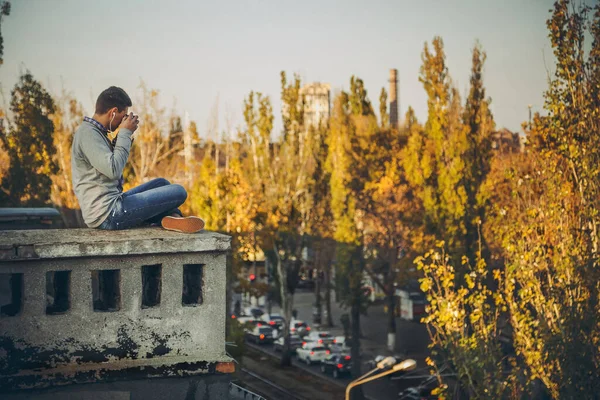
column 183, row 224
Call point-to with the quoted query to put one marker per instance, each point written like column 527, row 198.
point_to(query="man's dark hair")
column 112, row 97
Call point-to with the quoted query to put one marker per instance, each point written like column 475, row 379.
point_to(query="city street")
column 412, row 340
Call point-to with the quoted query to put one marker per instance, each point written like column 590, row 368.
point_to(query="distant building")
column 317, row 106
column 505, row 141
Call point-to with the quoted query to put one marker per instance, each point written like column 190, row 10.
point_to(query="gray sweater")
column 96, row 171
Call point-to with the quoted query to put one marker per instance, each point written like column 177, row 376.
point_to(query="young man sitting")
column 97, row 165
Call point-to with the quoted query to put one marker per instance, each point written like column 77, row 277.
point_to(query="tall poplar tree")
column 30, row 146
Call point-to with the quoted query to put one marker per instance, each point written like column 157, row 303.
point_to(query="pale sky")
column 195, row 51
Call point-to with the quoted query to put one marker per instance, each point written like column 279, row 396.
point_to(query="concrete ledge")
column 85, row 305
column 68, row 243
column 199, row 387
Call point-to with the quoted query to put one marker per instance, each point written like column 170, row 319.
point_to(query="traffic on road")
column 321, row 353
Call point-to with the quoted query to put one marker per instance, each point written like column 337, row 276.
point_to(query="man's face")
column 120, row 115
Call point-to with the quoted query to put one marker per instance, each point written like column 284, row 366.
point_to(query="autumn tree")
column 321, row 221
column 480, row 124
column 463, row 322
column 384, row 118
column 290, row 199
column 207, row 194
column 30, row 146
column 392, row 218
column 66, row 119
column 447, row 162
column 541, row 222
column 151, row 147
column 4, row 12
column 552, row 277
column 343, row 149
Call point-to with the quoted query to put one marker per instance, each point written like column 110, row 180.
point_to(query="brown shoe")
column 183, row 224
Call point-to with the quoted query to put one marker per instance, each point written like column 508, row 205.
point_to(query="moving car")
column 299, row 327
column 253, row 311
column 320, row 337
column 275, row 321
column 260, row 334
column 250, row 322
column 340, row 345
column 295, row 343
column 337, row 365
column 312, row 352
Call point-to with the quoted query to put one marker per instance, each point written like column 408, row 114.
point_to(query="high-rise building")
column 317, row 108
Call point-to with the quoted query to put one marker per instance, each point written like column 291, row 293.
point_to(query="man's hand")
column 130, row 122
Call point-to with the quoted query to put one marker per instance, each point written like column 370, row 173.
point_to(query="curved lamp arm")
column 406, row 365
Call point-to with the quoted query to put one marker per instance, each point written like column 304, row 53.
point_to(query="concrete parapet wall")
column 122, row 301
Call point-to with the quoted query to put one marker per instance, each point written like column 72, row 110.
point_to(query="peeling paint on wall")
column 83, row 344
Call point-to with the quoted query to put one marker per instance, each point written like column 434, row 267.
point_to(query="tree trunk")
column 228, row 291
column 318, row 318
column 391, row 317
column 357, row 393
column 329, row 321
column 318, row 305
column 287, row 303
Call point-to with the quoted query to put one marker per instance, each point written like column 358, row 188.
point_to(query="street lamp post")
column 385, row 363
column 406, row 365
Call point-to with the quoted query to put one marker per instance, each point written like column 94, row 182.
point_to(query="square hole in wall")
column 106, row 291
column 58, row 288
column 151, row 285
column 192, row 284
column 11, row 294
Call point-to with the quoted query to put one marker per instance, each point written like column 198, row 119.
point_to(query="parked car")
column 419, row 303
column 260, row 334
column 275, row 321
column 306, row 284
column 320, row 337
column 340, row 345
column 312, row 352
column 373, row 362
column 295, row 343
column 420, row 392
column 337, row 365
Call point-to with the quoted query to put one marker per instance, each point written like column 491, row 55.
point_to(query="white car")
column 340, row 345
column 297, row 327
column 312, row 352
column 320, row 337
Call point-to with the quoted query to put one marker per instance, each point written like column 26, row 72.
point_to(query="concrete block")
column 107, row 333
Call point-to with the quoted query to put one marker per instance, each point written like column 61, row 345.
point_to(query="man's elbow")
column 113, row 175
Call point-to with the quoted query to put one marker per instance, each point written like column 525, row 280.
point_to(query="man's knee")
column 180, row 192
column 162, row 182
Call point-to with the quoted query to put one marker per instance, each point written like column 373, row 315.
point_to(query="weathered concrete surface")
column 67, row 243
column 83, row 345
column 190, row 388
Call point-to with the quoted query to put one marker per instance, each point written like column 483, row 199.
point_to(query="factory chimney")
column 394, row 98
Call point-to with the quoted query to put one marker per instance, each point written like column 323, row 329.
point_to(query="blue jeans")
column 145, row 204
